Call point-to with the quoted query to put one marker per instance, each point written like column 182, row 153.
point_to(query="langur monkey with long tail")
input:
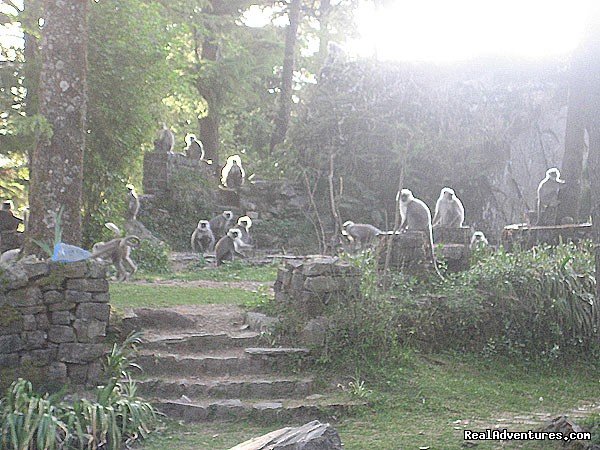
column 449, row 210
column 416, row 216
column 118, row 250
column 230, row 245
column 547, row 197
column 203, row 236
column 360, row 234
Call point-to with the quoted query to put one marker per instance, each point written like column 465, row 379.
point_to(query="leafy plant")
column 356, row 388
column 57, row 234
column 119, row 362
column 152, row 257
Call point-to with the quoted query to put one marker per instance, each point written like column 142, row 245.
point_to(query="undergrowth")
column 536, row 305
column 117, row 416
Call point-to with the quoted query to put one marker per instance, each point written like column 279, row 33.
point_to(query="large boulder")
column 311, row 436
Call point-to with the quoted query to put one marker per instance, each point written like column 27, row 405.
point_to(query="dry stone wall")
column 53, row 320
column 310, row 285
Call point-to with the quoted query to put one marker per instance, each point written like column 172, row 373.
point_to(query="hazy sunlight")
column 442, row 30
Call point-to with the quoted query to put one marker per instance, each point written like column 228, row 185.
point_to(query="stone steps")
column 244, row 386
column 192, row 342
column 205, row 364
column 262, row 410
column 220, row 362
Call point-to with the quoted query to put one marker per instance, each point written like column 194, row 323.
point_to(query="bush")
column 536, row 304
column 32, row 421
column 152, row 257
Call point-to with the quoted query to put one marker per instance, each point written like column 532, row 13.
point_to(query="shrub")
column 117, row 416
column 536, row 304
column 152, row 257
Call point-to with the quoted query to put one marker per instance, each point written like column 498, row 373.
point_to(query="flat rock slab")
column 311, row 436
column 268, row 351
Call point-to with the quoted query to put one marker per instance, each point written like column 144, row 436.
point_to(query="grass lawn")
column 124, row 295
column 236, row 271
column 427, row 404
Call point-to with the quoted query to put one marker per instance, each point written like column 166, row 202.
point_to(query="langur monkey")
column 204, row 236
column 133, row 203
column 233, row 174
column 166, row 139
column 230, row 245
column 118, row 250
column 195, row 149
column 221, row 223
column 449, row 210
column 360, row 233
column 547, row 197
column 478, row 240
column 416, row 216
column 243, row 224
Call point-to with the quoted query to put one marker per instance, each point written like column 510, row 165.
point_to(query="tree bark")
column 209, row 125
column 573, row 157
column 57, row 165
column 287, row 74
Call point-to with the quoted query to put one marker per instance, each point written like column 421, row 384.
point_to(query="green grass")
column 124, row 295
column 236, row 271
column 419, row 405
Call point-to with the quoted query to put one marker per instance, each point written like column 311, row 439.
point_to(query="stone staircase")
column 204, row 363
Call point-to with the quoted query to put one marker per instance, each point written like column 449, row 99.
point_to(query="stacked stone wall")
column 310, row 285
column 53, row 320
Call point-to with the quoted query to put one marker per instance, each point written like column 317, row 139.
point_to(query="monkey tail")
column 131, row 241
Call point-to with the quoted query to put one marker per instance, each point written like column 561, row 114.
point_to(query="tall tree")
column 57, row 163
column 287, row 76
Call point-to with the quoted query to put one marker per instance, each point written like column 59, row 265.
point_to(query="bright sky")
column 448, row 30
column 451, row 30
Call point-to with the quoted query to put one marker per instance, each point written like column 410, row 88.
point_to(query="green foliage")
column 592, row 424
column 129, row 74
column 119, row 361
column 118, row 416
column 29, row 420
column 152, row 257
column 538, row 304
column 49, row 248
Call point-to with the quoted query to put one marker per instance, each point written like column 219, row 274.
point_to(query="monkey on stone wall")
column 449, row 210
column 416, row 216
column 360, row 234
column 233, row 174
column 547, row 197
column 195, row 149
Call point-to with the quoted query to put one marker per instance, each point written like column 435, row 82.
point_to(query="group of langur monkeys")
column 450, row 213
column 233, row 174
column 230, row 241
column 218, row 234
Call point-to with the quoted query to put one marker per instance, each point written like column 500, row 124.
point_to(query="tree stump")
column 526, row 237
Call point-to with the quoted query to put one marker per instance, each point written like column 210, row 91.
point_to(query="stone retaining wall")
column 310, row 285
column 53, row 320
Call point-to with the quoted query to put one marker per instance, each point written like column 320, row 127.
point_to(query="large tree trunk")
column 575, row 148
column 209, row 125
column 285, row 96
column 57, row 166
